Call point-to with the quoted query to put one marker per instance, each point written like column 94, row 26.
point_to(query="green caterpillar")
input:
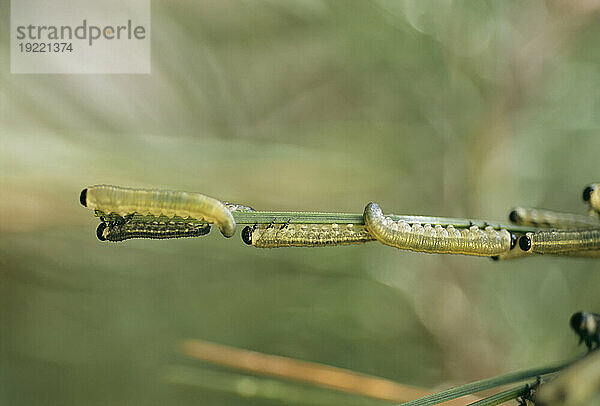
column 304, row 235
column 435, row 239
column 561, row 241
column 112, row 231
column 551, row 219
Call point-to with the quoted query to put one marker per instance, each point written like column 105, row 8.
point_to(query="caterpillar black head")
column 83, row 197
column 247, row 235
column 525, row 243
column 577, row 322
column 100, row 230
column 513, row 216
column 587, row 327
column 587, row 193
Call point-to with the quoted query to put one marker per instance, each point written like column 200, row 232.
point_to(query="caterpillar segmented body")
column 304, row 235
column 551, row 219
column 152, row 229
column 125, row 201
column 591, row 194
column 435, row 239
column 561, row 241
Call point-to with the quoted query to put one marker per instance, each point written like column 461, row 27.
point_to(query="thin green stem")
column 299, row 217
column 503, row 396
column 513, row 393
column 484, row 384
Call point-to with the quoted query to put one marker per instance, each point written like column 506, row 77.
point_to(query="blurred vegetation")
column 453, row 108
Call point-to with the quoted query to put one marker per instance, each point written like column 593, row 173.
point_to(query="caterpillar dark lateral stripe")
column 155, row 230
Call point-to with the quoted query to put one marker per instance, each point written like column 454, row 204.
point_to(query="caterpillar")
column 304, row 235
column 551, row 219
column 125, row 201
column 591, row 194
column 561, row 241
column 112, row 231
column 435, row 239
column 587, row 326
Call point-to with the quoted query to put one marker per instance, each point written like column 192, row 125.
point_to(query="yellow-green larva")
column 152, row 229
column 551, row 219
column 435, row 239
column 591, row 194
column 304, row 235
column 125, row 201
column 560, row 241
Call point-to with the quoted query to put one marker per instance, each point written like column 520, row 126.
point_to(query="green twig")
column 305, row 217
column 484, row 384
column 296, row 217
column 509, row 394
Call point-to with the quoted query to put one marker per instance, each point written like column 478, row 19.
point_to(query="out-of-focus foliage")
column 450, row 108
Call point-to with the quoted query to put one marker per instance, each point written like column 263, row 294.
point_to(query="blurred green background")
column 450, row 108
